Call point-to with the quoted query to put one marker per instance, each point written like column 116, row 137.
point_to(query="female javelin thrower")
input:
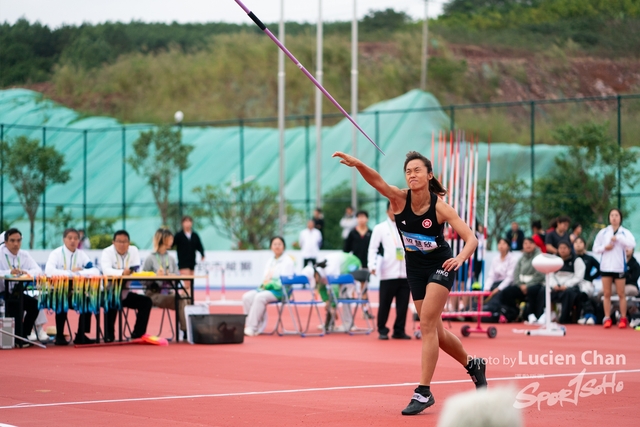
column 420, row 218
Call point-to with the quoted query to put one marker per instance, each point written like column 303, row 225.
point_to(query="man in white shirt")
column 391, row 269
column 122, row 259
column 14, row 262
column 68, row 260
column 310, row 242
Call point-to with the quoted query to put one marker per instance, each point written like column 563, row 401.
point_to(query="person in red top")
column 538, row 235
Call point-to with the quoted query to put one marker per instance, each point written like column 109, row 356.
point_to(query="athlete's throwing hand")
column 346, row 159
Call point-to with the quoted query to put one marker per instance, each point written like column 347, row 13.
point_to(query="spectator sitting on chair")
column 528, row 284
column 68, row 260
column 498, row 278
column 122, row 259
column 576, row 231
column 515, row 237
column 348, row 222
column 538, row 235
column 255, row 302
column 592, row 266
column 163, row 264
column 501, row 271
column 632, row 275
column 567, row 282
column 560, row 234
column 14, row 262
column 392, row 271
column 310, row 242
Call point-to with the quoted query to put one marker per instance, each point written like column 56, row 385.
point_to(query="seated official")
column 122, row 259
column 502, row 267
column 163, row 264
column 528, row 284
column 14, row 262
column 565, row 287
column 255, row 302
column 68, row 260
column 632, row 275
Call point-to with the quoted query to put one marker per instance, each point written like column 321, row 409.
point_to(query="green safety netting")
column 398, row 125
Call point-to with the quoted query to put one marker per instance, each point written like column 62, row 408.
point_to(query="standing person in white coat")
column 68, row 260
column 612, row 243
column 310, row 242
column 392, row 272
column 255, row 302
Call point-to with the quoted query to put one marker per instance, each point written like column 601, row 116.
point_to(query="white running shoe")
column 582, row 321
column 590, row 321
column 542, row 319
column 532, row 319
column 42, row 335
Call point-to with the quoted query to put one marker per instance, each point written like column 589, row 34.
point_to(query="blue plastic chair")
column 336, row 288
column 293, row 289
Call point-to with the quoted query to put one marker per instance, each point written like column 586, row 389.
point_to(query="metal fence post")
column 44, row 196
column 241, row 126
column 84, row 186
column 533, row 160
column 124, row 178
column 307, row 169
column 180, row 201
column 377, row 138
column 619, row 99
column 452, row 120
column 2, row 176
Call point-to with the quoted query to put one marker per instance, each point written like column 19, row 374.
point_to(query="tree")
column 384, row 20
column 31, row 168
column 335, row 202
column 160, row 156
column 583, row 184
column 247, row 213
column 507, row 203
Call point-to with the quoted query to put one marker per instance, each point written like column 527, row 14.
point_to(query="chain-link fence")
column 104, row 185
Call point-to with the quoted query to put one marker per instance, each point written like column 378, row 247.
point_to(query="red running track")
column 335, row 380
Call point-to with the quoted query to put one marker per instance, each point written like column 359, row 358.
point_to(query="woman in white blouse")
column 502, row 267
column 255, row 302
column 611, row 243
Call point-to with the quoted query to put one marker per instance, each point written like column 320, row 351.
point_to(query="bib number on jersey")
column 419, row 242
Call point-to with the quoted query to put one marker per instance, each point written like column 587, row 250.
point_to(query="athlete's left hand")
column 453, row 264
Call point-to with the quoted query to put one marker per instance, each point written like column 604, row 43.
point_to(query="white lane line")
column 302, row 390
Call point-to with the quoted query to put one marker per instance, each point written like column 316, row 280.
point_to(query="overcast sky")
column 54, row 13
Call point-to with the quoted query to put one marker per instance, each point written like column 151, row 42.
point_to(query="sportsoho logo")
column 576, row 390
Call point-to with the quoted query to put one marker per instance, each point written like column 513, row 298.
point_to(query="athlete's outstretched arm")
column 446, row 213
column 373, row 178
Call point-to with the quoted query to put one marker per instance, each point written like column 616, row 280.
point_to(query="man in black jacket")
column 187, row 243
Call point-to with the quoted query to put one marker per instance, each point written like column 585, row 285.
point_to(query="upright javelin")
column 264, row 28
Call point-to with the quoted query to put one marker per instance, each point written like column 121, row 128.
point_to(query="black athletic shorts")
column 419, row 276
column 610, row 274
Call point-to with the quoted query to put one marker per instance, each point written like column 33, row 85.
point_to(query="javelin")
column 264, row 28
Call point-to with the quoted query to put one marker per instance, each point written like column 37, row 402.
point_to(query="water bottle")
column 1, row 308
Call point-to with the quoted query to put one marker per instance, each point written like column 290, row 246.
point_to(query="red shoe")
column 607, row 323
column 623, row 323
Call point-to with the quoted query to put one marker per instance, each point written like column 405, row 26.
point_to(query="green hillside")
column 480, row 51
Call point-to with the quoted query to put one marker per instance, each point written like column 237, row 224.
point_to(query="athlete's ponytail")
column 434, row 184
